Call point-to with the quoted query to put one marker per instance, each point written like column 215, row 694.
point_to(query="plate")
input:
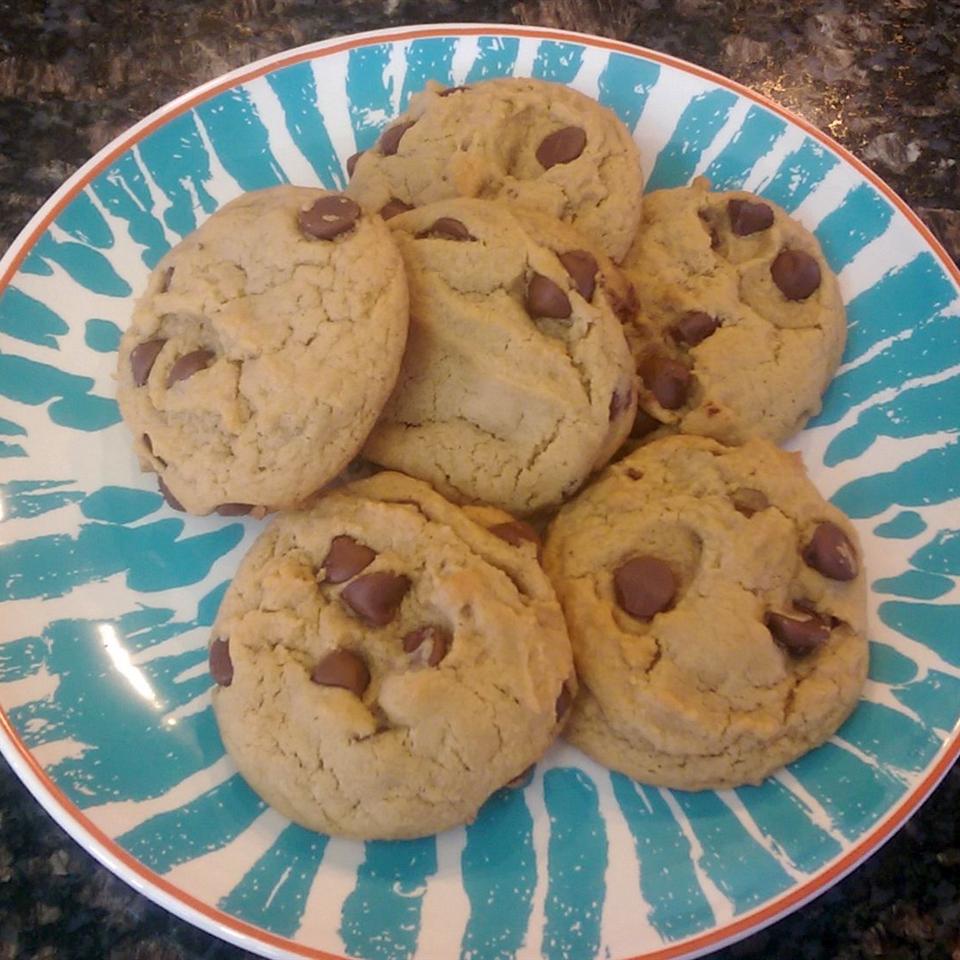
column 108, row 596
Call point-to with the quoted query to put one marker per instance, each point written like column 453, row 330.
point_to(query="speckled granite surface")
column 881, row 77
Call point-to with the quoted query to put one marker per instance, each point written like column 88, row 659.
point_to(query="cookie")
column 263, row 350
column 529, row 141
column 383, row 662
column 517, row 381
column 741, row 324
column 716, row 606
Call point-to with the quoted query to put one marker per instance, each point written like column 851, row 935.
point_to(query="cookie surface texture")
column 741, row 324
column 384, row 662
column 528, row 141
column 517, row 380
column 716, row 605
column 263, row 350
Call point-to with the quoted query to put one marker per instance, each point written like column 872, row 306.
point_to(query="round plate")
column 108, row 595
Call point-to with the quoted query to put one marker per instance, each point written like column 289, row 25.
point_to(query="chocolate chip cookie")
column 529, row 141
column 263, row 350
column 517, row 381
column 716, row 606
column 741, row 324
column 384, row 662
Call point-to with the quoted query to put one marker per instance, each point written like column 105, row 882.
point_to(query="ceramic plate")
column 108, row 595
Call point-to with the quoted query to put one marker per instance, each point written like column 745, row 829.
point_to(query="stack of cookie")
column 487, row 317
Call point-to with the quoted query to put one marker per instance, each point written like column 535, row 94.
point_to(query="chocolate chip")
column 190, row 363
column 748, row 501
column 342, row 668
column 831, row 553
column 796, row 273
column 352, row 162
column 376, row 597
column 546, row 299
column 561, row 146
column 564, row 700
column 168, row 496
column 446, row 228
column 668, row 380
column 748, row 217
column 644, row 586
column 390, row 141
column 798, row 637
column 430, row 638
column 142, row 358
column 694, row 327
column 147, row 442
column 516, row 532
column 643, row 424
column 329, row 217
column 449, row 90
column 221, row 665
column 582, row 267
column 393, row 208
column 345, row 559
column 233, row 509
column 619, row 402
column 165, row 282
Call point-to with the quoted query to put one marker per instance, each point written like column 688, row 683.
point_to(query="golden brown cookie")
column 716, row 606
column 263, row 350
column 384, row 662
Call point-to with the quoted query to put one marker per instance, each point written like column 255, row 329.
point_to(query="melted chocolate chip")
column 561, row 146
column 795, row 273
column 446, row 228
column 142, row 358
column 390, row 141
column 668, row 380
column 190, row 363
column 172, row 501
column 564, row 701
column 329, row 217
column 234, row 509
column 165, row 282
column 546, row 299
column 748, row 501
column 147, row 442
column 393, row 208
column 220, row 663
column 644, row 586
column 516, row 533
column 619, row 401
column 431, row 640
column 798, row 637
column 352, row 162
column 831, row 553
column 342, row 668
column 694, row 327
column 582, row 267
column 376, row 597
column 450, row 90
column 345, row 559
column 748, row 217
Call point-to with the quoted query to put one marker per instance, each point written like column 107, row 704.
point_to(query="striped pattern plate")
column 108, row 595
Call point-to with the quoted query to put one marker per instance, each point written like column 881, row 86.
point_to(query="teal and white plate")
column 108, row 595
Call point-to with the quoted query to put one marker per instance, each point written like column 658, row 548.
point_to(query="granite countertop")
column 881, row 77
